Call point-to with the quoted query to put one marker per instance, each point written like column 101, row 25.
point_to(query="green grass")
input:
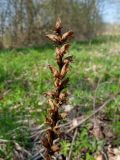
column 24, row 77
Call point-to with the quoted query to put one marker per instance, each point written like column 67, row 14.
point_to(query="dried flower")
column 58, row 96
column 54, row 38
column 58, row 25
column 66, row 36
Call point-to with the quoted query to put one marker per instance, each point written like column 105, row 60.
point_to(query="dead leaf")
column 55, row 148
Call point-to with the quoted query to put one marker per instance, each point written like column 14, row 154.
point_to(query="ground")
column 94, row 78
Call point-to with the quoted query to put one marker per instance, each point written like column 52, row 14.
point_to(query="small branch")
column 94, row 99
column 73, row 140
column 91, row 115
column 4, row 141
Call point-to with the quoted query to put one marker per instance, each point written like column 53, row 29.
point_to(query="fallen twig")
column 73, row 140
column 4, row 141
column 91, row 115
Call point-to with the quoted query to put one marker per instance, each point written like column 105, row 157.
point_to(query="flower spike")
column 58, row 96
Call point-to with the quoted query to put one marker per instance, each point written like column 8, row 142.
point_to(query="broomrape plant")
column 58, row 96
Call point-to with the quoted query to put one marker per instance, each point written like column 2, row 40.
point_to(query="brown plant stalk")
column 58, row 96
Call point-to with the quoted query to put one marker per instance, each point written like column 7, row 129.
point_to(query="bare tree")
column 26, row 21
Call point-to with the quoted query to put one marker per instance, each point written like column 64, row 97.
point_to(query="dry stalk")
column 58, row 96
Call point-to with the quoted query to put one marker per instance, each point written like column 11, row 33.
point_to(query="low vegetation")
column 95, row 78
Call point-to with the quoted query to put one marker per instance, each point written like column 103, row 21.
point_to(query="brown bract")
column 58, row 26
column 54, row 38
column 58, row 96
column 66, row 36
